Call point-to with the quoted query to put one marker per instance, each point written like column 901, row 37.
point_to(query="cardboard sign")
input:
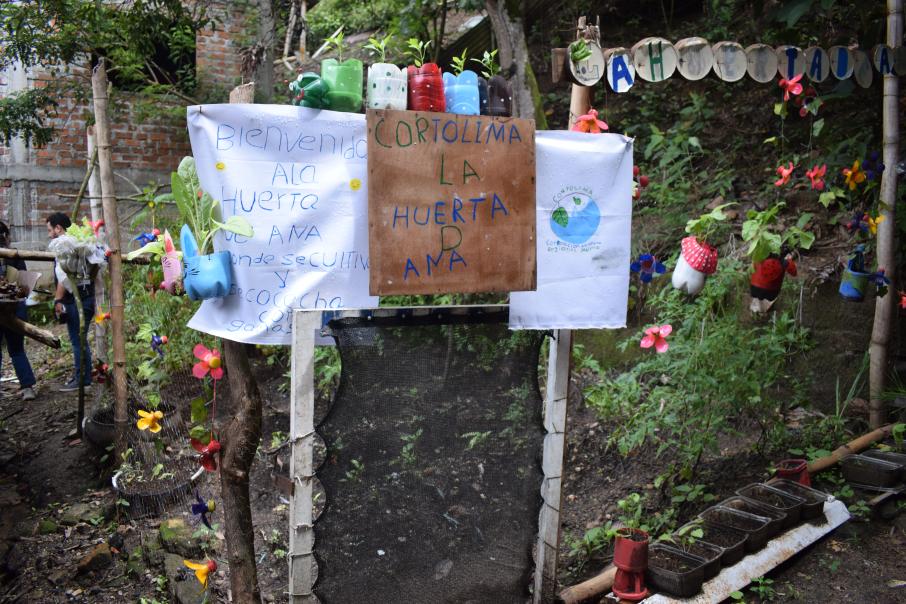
column 451, row 203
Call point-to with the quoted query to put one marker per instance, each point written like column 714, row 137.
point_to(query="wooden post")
column 558, row 369
column 97, row 213
column 580, row 96
column 239, row 439
column 301, row 559
column 108, row 199
column 303, row 12
column 884, row 307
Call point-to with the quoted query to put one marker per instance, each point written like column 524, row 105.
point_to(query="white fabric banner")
column 584, row 208
column 299, row 176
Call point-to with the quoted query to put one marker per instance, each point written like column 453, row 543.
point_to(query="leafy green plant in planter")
column 343, row 78
column 387, row 83
column 698, row 258
column 426, row 85
column 770, row 250
column 207, row 275
column 579, row 51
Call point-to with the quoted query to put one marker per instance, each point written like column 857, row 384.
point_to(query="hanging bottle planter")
column 309, row 90
column 855, row 279
column 387, row 87
column 696, row 262
column 205, row 277
column 767, row 279
column 426, row 84
column 344, row 81
column 171, row 264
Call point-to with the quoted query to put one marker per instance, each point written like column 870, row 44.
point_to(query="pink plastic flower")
column 791, row 86
column 657, row 336
column 785, row 173
column 208, row 360
column 816, row 175
column 902, row 299
column 590, row 123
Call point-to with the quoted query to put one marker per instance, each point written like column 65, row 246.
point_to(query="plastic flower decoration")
column 873, row 223
column 202, row 508
column 201, row 570
column 101, row 317
column 647, row 266
column 208, row 459
column 791, row 86
column 854, row 176
column 99, row 373
column 149, row 420
column 146, row 238
column 804, row 102
column 873, row 166
column 157, row 343
column 785, row 173
column 590, row 123
column 880, row 281
column 208, row 361
column 657, row 336
column 902, row 299
column 95, row 226
column 816, row 175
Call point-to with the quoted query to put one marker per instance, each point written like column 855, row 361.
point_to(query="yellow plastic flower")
column 149, row 420
column 854, row 176
column 201, row 570
column 873, row 224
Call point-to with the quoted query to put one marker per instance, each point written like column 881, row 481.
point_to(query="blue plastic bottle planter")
column 853, row 284
column 387, row 86
column 205, row 277
column 345, row 83
column 461, row 93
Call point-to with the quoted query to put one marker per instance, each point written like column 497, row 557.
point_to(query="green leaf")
column 236, row 224
column 199, row 410
column 577, row 201
column 560, row 217
column 804, row 219
column 817, row 127
column 793, row 10
column 694, row 142
column 153, row 247
column 737, row 595
column 827, row 198
column 200, row 433
column 772, row 140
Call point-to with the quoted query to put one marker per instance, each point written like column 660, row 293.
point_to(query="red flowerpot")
column 795, row 470
column 630, row 556
column 426, row 88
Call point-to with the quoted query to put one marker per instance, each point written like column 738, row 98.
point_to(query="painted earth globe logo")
column 576, row 218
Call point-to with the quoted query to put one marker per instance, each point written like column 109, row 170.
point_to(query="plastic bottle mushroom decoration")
column 698, row 258
column 426, row 86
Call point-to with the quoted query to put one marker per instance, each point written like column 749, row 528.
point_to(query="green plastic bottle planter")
column 345, row 84
column 387, row 86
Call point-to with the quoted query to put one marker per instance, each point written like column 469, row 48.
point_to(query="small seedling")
column 336, row 43
column 417, row 50
column 763, row 588
column 475, row 439
column 459, row 63
column 378, row 47
column 490, row 64
column 355, row 473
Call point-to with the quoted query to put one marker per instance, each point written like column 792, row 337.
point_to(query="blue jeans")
column 15, row 345
column 72, row 325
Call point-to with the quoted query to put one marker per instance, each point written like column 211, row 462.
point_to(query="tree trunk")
column 264, row 75
column 108, row 199
column 97, row 213
column 884, row 307
column 239, row 441
column 514, row 61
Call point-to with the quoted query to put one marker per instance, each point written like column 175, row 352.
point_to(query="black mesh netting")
column 432, row 471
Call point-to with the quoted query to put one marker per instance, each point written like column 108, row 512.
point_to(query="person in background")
column 65, row 306
column 15, row 342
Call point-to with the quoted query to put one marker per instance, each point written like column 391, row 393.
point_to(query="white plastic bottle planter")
column 387, row 86
column 461, row 93
column 696, row 262
column 205, row 277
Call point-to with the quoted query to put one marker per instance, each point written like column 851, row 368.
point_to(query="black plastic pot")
column 733, row 542
column 814, row 499
column 684, row 582
column 784, row 502
column 759, row 509
column 897, row 458
column 98, row 428
column 756, row 527
column 860, row 469
column 708, row 552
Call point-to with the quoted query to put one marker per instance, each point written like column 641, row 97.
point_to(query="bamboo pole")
column 884, row 307
column 10, row 321
column 853, row 446
column 97, row 213
column 590, row 588
column 77, row 204
column 49, row 256
column 108, row 195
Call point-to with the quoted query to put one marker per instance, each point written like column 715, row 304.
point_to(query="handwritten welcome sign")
column 299, row 177
column 451, row 203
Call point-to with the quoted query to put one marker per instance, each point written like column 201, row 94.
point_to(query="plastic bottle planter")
column 696, row 262
column 344, row 81
column 387, row 87
column 172, row 271
column 461, row 93
column 767, row 279
column 795, row 470
column 630, row 556
column 309, row 90
column 426, row 88
column 500, row 97
column 854, row 282
column 205, row 277
column 483, row 95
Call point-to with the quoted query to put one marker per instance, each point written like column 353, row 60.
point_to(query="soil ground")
column 45, row 473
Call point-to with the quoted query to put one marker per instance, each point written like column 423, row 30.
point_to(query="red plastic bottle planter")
column 630, row 556
column 426, row 88
column 767, row 279
column 795, row 470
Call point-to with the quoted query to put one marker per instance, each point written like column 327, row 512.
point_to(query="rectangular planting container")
column 756, row 527
column 892, row 457
column 784, row 502
column 742, row 504
column 674, row 572
column 814, row 499
column 733, row 542
column 709, row 552
column 860, row 469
